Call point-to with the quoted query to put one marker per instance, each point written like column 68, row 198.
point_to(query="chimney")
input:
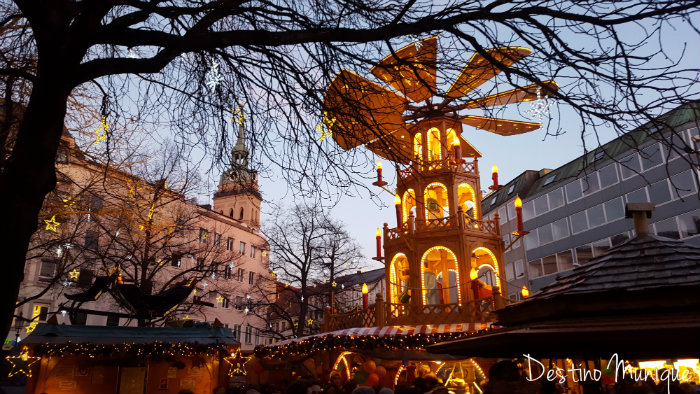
column 639, row 212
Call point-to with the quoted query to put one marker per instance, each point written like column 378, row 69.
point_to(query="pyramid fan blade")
column 395, row 146
column 479, row 69
column 503, row 127
column 411, row 70
column 361, row 110
column 527, row 93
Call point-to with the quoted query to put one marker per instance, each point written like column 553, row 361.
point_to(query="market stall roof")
column 60, row 334
column 391, row 331
column 640, row 297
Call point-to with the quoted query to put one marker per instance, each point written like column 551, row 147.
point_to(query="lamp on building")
column 525, row 292
column 365, row 296
column 399, row 216
column 380, row 182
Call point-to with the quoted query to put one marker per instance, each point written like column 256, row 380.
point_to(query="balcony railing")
column 445, row 223
column 390, row 314
column 438, row 165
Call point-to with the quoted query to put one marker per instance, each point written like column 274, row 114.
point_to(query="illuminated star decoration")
column 326, row 127
column 214, row 77
column 67, row 283
column 231, row 265
column 238, row 115
column 52, row 224
column 418, row 45
column 540, row 107
column 213, row 275
column 22, row 363
column 310, row 321
column 237, row 362
column 74, row 274
column 220, row 299
column 101, row 131
column 205, row 284
column 334, row 284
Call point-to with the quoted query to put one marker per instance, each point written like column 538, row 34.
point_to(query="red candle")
column 399, row 215
column 458, row 151
column 379, row 243
column 519, row 213
column 494, row 176
column 379, row 171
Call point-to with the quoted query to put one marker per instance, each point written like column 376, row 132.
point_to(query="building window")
column 629, row 166
column 229, row 243
column 619, row 238
column 583, row 254
column 651, row 157
column 545, row 234
column 535, row 268
column 590, row 184
column 639, row 195
column 608, row 176
column 80, row 319
column 228, row 272
column 528, row 211
column 200, row 264
column 217, row 239
column 659, row 193
column 237, row 331
column 180, row 227
column 91, row 241
column 239, row 275
column 241, row 248
column 565, row 260
column 689, row 224
column 203, row 235
column 47, row 270
column 549, row 265
column 541, row 205
column 596, row 215
column 667, row 228
column 248, row 334
column 573, row 191
column 257, row 336
column 556, row 198
column 252, row 251
column 40, row 313
column 683, row 184
column 239, row 303
column 600, row 246
column 251, row 277
column 519, row 269
column 85, row 278
column 511, row 188
column 614, row 209
column 176, row 260
column 560, row 229
column 531, row 240
column 549, row 179
column 112, row 320
column 226, row 303
column 579, row 222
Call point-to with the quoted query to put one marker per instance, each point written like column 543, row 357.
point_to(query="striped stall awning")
column 403, row 330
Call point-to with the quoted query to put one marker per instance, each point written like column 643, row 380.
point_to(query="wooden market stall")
column 113, row 360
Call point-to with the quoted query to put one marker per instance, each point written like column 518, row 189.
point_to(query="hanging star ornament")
column 74, row 274
column 220, row 299
column 310, row 321
column 22, row 363
column 334, row 284
column 101, row 131
column 214, row 77
column 52, row 224
column 326, row 127
column 237, row 114
column 539, row 108
column 237, row 363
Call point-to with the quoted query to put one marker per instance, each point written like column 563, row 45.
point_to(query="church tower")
column 238, row 196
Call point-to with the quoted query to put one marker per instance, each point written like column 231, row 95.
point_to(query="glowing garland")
column 101, row 132
column 312, row 345
column 151, row 349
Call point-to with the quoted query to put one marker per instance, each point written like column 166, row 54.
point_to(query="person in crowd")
column 335, row 384
column 504, row 378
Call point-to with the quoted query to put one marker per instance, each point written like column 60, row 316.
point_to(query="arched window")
column 398, row 271
column 241, row 218
column 436, row 202
column 482, row 257
column 434, row 145
column 418, row 147
column 467, row 200
column 408, row 204
column 230, row 213
column 440, row 277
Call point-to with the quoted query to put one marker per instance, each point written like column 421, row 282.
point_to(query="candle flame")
column 518, row 202
column 365, row 289
column 494, row 169
column 473, row 274
column 379, row 164
column 525, row 292
column 397, row 200
column 379, row 233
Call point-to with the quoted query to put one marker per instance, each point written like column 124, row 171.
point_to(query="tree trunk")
column 28, row 176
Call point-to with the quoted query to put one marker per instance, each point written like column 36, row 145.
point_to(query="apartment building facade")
column 576, row 212
column 113, row 227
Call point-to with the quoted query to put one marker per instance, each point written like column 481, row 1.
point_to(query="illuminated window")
column 418, row 146
column 408, row 203
column 436, row 204
column 398, row 271
column 434, row 145
column 466, row 194
column 439, row 276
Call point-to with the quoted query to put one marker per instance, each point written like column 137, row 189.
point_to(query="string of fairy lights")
column 312, row 345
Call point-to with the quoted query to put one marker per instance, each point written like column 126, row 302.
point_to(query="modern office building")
column 576, row 212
